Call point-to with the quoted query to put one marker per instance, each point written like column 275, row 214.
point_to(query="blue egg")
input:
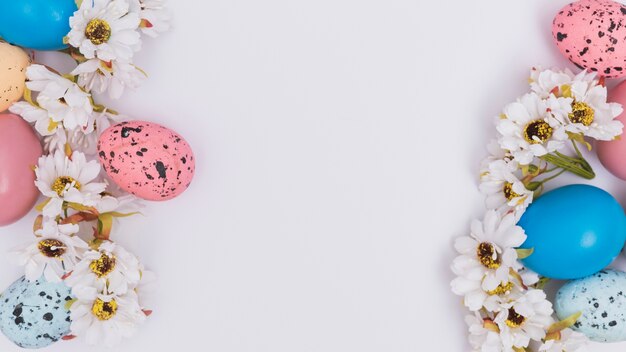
column 601, row 299
column 575, row 231
column 33, row 314
column 36, row 24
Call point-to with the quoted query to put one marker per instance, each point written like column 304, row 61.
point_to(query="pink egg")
column 613, row 154
column 592, row 34
column 19, row 150
column 147, row 159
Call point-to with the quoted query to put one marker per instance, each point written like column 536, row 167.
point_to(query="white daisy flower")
column 546, row 82
column 568, row 341
column 528, row 130
column 528, row 276
column 67, row 180
column 524, row 319
column 112, row 76
column 487, row 257
column 74, row 109
column 54, row 253
column 124, row 204
column 495, row 153
column 484, row 335
column 591, row 115
column 45, row 123
column 55, row 142
column 110, row 269
column 155, row 18
column 41, row 79
column 104, row 319
column 556, row 82
column 59, row 102
column 86, row 139
column 105, row 29
column 503, row 189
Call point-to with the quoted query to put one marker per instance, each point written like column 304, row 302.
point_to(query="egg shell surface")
column 612, row 154
column 19, row 151
column 13, row 64
column 147, row 159
column 33, row 314
column 592, row 35
column 574, row 231
column 36, row 24
column 602, row 301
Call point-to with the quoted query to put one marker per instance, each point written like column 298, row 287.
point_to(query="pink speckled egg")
column 19, row 150
column 612, row 154
column 147, row 159
column 592, row 34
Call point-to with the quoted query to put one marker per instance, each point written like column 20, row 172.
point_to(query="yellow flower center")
column 487, row 255
column 103, row 266
column 104, row 310
column 514, row 319
column 537, row 131
column 501, row 289
column 51, row 248
column 61, row 183
column 581, row 113
column 98, row 31
column 508, row 191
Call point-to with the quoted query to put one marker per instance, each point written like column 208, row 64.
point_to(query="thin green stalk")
column 552, row 177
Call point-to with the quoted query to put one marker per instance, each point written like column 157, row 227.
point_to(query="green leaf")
column 116, row 214
column 534, row 185
column 38, row 225
column 580, row 138
column 541, row 283
column 28, row 96
column 78, row 3
column 39, row 207
column 105, row 224
column 523, row 253
column 564, row 324
column 82, row 208
column 68, row 304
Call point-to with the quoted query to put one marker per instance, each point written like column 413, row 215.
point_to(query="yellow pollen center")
column 103, row 266
column 508, row 191
column 61, row 183
column 487, row 255
column 51, row 248
column 514, row 319
column 501, row 289
column 537, row 131
column 104, row 310
column 581, row 113
column 98, row 31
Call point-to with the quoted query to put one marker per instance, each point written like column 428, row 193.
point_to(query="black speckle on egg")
column 161, row 169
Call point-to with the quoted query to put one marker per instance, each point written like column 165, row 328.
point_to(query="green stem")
column 577, row 166
column 552, row 177
column 577, row 150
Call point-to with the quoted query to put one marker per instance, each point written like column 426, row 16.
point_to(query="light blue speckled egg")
column 33, row 314
column 601, row 300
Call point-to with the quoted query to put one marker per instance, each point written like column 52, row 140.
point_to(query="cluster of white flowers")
column 104, row 36
column 509, row 308
column 107, row 34
column 73, row 231
column 105, row 278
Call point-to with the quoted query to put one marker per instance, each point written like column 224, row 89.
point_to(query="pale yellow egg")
column 13, row 64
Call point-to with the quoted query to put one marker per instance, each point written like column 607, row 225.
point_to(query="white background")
column 338, row 144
